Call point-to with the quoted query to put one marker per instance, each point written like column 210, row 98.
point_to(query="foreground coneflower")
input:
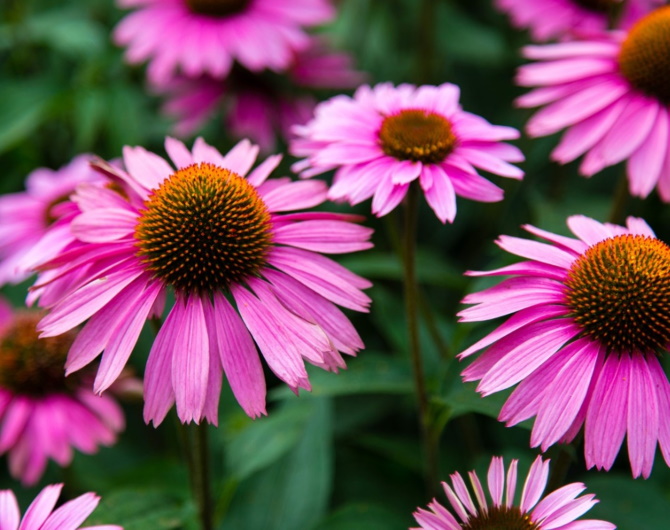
column 34, row 222
column 198, row 37
column 590, row 318
column 243, row 269
column 612, row 94
column 386, row 137
column 41, row 515
column 44, row 415
column 550, row 19
column 556, row 511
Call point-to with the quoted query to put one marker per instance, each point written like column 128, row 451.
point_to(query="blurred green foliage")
column 348, row 455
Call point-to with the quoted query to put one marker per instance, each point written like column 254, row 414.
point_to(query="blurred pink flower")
column 259, row 106
column 41, row 515
column 43, row 415
column 611, row 92
column 34, row 224
column 556, row 511
column 589, row 318
column 197, row 37
column 551, row 19
column 386, row 137
column 218, row 240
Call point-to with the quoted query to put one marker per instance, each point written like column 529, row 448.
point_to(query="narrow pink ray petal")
column 405, row 172
column 490, row 163
column 511, row 483
column 239, row 357
column 561, row 507
column 334, row 237
column 455, row 502
column 240, row 158
column 569, row 389
column 190, row 359
column 146, row 168
column 496, row 480
column 440, row 195
column 203, row 152
column 9, row 511
column 178, row 152
column 537, row 251
column 605, row 425
column 571, row 49
column 295, row 196
column 472, row 186
column 525, row 268
column 39, row 509
column 15, row 421
column 461, row 490
column 535, row 483
column 662, row 386
column 643, row 422
column 478, row 490
column 72, row 514
column 588, row 230
column 260, row 174
column 646, row 163
column 526, row 358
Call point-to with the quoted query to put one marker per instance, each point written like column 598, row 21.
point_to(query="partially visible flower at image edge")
column 556, row 511
column 611, row 92
column 385, row 138
column 550, row 19
column 245, row 268
column 41, row 515
column 34, row 224
column 43, row 414
column 590, row 318
column 198, row 37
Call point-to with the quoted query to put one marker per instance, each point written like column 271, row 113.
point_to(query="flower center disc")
column 500, row 518
column 619, row 293
column 599, row 6
column 217, row 8
column 417, row 135
column 644, row 58
column 30, row 365
column 204, row 228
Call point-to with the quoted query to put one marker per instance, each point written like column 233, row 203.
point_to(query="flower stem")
column 426, row 41
column 617, row 213
column 412, row 314
column 200, row 475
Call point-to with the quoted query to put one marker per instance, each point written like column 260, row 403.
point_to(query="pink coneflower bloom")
column 38, row 217
column 557, row 511
column 43, row 415
column 612, row 94
column 386, row 137
column 551, row 19
column 242, row 268
column 41, row 515
column 205, row 36
column 590, row 317
column 259, row 107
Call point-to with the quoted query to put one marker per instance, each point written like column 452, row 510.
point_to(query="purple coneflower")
column 589, row 319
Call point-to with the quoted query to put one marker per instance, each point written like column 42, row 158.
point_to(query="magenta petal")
column 239, row 357
column 39, row 509
column 646, row 163
column 535, row 483
column 190, row 359
column 9, row 511
column 643, row 422
column 334, row 237
column 72, row 514
column 605, row 425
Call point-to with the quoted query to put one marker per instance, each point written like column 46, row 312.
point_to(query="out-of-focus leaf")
column 142, row 509
column 361, row 516
column 462, row 398
column 22, row 107
column 371, row 373
column 629, row 504
column 89, row 111
column 267, row 439
column 294, row 492
column 68, row 32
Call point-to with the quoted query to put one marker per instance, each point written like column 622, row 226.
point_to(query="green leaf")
column 23, row 105
column 267, row 439
column 362, row 516
column 294, row 492
column 628, row 503
column 137, row 509
column 67, row 32
column 371, row 373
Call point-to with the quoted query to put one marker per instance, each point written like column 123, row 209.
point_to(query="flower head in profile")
column 33, row 223
column 245, row 268
column 196, row 37
column 259, row 106
column 611, row 92
column 44, row 415
column 551, row 19
column 41, row 515
column 386, row 137
column 557, row 511
column 590, row 318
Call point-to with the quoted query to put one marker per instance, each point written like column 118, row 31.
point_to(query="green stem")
column 412, row 315
column 621, row 196
column 560, row 466
column 426, row 32
column 201, row 481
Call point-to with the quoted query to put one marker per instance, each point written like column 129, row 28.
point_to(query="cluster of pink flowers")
column 243, row 254
column 236, row 57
